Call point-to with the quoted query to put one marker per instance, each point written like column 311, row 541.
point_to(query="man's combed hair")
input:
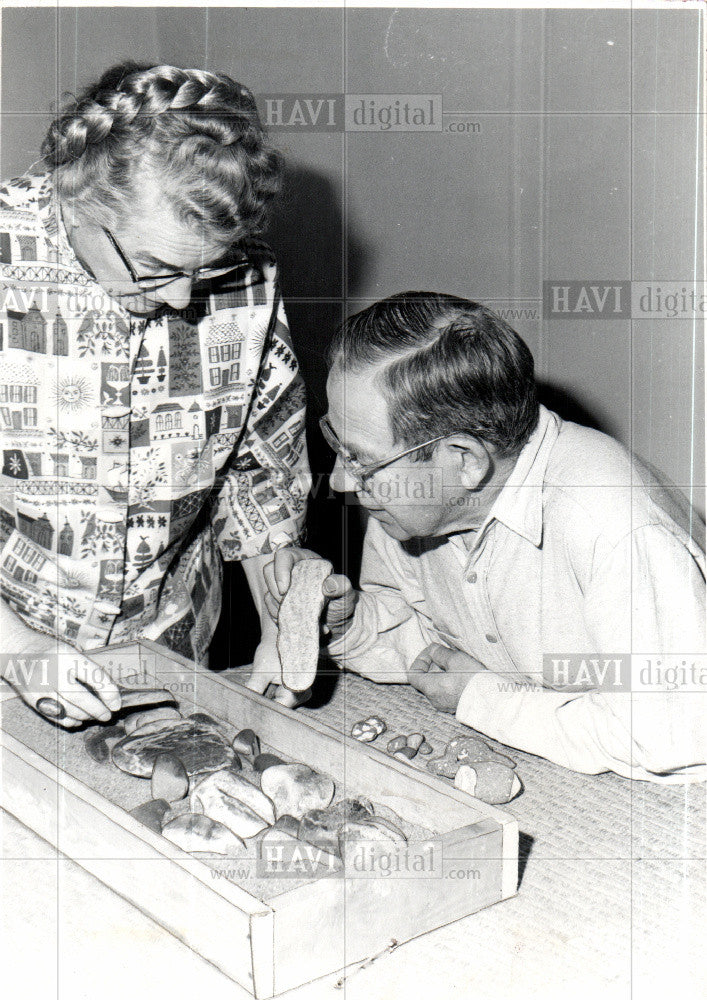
column 200, row 132
column 449, row 366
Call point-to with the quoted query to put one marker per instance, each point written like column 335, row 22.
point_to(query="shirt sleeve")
column 387, row 631
column 645, row 602
column 261, row 501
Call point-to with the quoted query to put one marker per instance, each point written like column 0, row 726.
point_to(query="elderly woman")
column 150, row 402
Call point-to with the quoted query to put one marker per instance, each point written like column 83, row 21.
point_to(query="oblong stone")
column 201, row 749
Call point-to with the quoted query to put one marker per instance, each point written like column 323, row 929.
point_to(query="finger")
column 83, row 704
column 273, row 608
column 423, row 660
column 442, row 656
column 282, row 569
column 337, row 587
column 259, row 681
column 290, row 699
column 63, row 713
column 422, row 681
column 97, row 682
column 269, row 575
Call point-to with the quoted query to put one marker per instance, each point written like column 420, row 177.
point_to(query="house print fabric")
column 136, row 452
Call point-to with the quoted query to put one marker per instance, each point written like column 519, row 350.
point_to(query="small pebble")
column 405, row 753
column 247, row 742
column 415, row 741
column 367, row 730
column 96, row 747
column 396, row 744
column 169, row 778
column 425, row 749
column 265, row 760
column 151, row 813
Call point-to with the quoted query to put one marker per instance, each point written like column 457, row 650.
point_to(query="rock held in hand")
column 298, row 623
column 169, row 779
column 296, row 788
column 200, row 834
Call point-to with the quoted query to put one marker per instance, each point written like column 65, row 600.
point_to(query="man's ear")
column 473, row 459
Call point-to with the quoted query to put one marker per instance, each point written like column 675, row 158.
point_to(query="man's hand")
column 57, row 671
column 442, row 674
column 340, row 595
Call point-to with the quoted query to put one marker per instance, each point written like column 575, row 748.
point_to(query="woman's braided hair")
column 200, row 132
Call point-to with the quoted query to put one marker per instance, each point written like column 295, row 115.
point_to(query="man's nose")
column 340, row 480
column 176, row 294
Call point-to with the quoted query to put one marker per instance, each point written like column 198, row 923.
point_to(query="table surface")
column 611, row 899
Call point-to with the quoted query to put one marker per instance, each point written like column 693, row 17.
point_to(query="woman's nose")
column 176, row 294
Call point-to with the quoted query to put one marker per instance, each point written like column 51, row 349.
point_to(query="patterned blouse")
column 134, row 451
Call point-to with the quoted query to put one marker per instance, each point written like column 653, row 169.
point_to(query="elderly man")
column 150, row 402
column 513, row 561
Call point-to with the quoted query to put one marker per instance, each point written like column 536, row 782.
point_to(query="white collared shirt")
column 583, row 560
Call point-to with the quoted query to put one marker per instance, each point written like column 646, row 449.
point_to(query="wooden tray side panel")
column 199, row 917
column 351, row 919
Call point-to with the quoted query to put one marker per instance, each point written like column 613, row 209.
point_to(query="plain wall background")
column 585, row 168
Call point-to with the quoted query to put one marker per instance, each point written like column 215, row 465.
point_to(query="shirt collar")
column 519, row 505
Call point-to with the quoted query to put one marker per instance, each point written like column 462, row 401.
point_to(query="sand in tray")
column 65, row 749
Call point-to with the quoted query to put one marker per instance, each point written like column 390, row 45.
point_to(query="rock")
column 465, row 750
column 200, row 834
column 230, row 799
column 236, row 764
column 287, row 824
column 296, row 788
column 282, row 854
column 367, row 730
column 415, row 741
column 203, row 717
column 247, row 742
column 321, row 826
column 405, row 754
column 265, row 760
column 472, row 750
column 139, row 719
column 200, row 747
column 169, row 779
column 426, row 748
column 375, row 834
column 298, row 635
column 151, row 813
column 396, row 744
column 179, row 808
column 96, row 746
column 490, row 780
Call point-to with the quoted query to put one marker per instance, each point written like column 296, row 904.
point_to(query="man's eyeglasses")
column 150, row 282
column 359, row 471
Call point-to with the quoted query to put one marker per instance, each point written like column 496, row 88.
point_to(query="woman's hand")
column 442, row 674
column 62, row 684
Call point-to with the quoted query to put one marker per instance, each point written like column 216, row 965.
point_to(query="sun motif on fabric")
column 72, row 393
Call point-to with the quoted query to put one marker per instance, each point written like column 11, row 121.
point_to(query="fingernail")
column 329, row 587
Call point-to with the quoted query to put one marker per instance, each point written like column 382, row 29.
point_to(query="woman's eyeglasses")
column 150, row 282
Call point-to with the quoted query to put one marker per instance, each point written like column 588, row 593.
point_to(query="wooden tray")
column 304, row 932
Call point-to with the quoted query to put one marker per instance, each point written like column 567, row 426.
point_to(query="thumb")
column 259, row 681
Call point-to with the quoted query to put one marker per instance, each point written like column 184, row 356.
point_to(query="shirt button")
column 491, row 638
column 472, row 578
